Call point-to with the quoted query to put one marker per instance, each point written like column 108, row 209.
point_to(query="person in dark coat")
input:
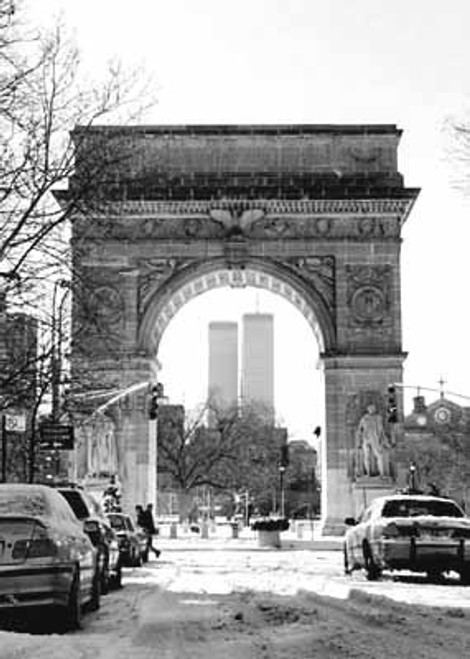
column 148, row 524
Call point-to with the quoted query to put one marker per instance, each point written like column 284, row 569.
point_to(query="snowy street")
column 228, row 598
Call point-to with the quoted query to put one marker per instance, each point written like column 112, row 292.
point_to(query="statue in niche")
column 373, row 447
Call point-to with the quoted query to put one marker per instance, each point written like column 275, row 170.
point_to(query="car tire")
column 104, row 577
column 373, row 571
column 347, row 567
column 116, row 579
column 73, row 613
column 95, row 601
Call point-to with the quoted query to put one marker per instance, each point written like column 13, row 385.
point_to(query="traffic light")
column 156, row 393
column 392, row 410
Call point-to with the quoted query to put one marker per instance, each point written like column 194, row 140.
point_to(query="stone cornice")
column 401, row 205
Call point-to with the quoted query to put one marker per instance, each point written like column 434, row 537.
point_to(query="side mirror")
column 350, row 521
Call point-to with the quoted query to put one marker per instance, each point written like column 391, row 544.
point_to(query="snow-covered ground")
column 227, row 598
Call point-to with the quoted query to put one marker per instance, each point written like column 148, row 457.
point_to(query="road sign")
column 56, row 436
column 15, row 422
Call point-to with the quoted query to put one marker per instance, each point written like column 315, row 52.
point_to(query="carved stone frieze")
column 319, row 271
column 369, row 299
column 187, row 220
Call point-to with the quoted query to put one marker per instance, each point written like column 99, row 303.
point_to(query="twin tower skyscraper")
column 252, row 380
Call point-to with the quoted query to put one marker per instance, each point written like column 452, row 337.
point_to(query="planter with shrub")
column 269, row 530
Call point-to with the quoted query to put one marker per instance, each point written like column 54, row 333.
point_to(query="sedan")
column 102, row 536
column 46, row 558
column 132, row 540
column 416, row 532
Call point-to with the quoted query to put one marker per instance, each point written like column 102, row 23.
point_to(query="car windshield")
column 76, row 502
column 22, row 502
column 415, row 508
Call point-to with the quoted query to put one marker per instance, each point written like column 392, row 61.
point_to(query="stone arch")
column 312, row 212
column 165, row 300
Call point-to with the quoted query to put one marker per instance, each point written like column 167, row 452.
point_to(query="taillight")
column 40, row 545
column 393, row 530
column 390, row 531
column 461, row 533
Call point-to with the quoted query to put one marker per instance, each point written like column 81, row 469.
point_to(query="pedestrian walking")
column 150, row 529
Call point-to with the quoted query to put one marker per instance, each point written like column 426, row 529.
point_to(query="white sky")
column 311, row 61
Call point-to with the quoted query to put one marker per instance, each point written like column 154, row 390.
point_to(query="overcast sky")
column 311, row 61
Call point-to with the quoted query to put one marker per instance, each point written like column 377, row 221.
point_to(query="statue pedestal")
column 368, row 488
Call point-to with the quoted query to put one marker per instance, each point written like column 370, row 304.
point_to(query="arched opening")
column 227, row 295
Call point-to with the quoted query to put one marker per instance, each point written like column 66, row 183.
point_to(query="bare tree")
column 238, row 451
column 43, row 96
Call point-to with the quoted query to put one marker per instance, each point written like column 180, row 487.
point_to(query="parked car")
column 132, row 540
column 414, row 532
column 95, row 524
column 46, row 558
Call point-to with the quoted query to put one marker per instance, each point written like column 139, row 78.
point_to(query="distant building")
column 223, row 363
column 257, row 376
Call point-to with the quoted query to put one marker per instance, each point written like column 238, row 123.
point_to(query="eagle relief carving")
column 236, row 220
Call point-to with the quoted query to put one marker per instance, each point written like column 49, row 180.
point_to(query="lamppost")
column 56, row 358
column 56, row 346
column 282, row 469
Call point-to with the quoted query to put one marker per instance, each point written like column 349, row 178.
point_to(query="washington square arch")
column 313, row 213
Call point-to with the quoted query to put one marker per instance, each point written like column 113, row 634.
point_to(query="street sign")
column 56, row 436
column 15, row 422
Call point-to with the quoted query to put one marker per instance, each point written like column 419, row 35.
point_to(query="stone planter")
column 269, row 539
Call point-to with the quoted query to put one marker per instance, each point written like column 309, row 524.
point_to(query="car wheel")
column 117, row 581
column 373, row 571
column 73, row 612
column 347, row 567
column 104, row 576
column 95, row 602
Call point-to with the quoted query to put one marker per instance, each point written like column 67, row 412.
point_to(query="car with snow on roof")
column 415, row 532
column 95, row 524
column 132, row 540
column 46, row 558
